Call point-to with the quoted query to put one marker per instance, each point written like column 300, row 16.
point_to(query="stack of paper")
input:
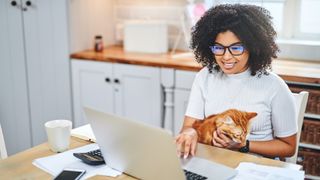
column 56, row 163
column 84, row 132
column 248, row 170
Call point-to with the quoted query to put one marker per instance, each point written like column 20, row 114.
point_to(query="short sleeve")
column 195, row 106
column 284, row 115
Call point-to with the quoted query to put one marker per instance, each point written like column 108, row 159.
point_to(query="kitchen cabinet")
column 34, row 70
column 91, row 88
column 130, row 91
column 183, row 84
column 181, row 97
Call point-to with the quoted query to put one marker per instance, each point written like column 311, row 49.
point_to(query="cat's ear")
column 251, row 115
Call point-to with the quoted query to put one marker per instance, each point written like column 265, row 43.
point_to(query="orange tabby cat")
column 233, row 123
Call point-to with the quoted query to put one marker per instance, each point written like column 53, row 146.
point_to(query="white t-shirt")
column 267, row 95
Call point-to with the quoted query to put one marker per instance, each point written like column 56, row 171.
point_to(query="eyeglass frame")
column 227, row 47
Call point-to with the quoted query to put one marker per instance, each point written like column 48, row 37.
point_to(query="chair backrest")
column 301, row 104
column 3, row 150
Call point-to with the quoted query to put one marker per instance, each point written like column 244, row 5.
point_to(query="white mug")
column 58, row 132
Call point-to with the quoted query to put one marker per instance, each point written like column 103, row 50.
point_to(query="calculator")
column 92, row 157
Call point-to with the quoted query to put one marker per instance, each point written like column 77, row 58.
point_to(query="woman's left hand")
column 221, row 140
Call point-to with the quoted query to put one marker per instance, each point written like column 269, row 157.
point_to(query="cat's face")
column 227, row 126
column 235, row 125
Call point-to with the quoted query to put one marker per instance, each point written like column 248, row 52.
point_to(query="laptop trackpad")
column 207, row 168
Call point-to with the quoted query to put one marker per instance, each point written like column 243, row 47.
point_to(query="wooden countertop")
column 117, row 54
column 292, row 70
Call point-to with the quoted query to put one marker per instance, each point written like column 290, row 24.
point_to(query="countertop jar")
column 98, row 43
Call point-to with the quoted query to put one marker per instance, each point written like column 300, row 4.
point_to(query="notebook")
column 146, row 152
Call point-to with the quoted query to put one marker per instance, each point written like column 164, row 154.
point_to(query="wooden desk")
column 20, row 166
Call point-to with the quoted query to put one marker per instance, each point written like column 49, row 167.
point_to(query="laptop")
column 146, row 152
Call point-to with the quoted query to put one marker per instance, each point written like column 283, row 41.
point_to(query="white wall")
column 89, row 18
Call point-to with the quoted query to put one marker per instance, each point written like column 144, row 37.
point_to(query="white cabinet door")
column 14, row 108
column 183, row 84
column 138, row 93
column 126, row 90
column 35, row 77
column 181, row 97
column 92, row 87
column 48, row 65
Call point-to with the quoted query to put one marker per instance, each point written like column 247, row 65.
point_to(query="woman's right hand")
column 186, row 142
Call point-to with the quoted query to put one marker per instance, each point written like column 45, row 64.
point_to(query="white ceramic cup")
column 58, row 132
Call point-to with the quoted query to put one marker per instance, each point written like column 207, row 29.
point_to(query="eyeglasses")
column 236, row 49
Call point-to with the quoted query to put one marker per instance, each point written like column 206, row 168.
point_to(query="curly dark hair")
column 251, row 24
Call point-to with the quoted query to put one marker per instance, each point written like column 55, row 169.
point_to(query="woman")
column 236, row 44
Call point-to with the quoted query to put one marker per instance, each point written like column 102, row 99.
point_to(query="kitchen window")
column 309, row 22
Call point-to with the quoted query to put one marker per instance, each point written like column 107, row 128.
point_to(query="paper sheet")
column 254, row 171
column 56, row 163
column 84, row 132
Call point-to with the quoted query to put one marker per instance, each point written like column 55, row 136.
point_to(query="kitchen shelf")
column 313, row 116
column 312, row 177
column 310, row 85
column 311, row 146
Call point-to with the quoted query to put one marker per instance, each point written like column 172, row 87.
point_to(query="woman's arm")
column 186, row 141
column 278, row 147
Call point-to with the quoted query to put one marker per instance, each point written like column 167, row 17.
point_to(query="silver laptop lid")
column 140, row 150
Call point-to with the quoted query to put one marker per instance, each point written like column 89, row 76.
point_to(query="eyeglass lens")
column 220, row 50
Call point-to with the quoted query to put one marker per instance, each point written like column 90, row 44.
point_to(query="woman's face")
column 231, row 64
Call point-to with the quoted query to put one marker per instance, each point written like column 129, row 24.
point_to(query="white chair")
column 301, row 104
column 3, row 150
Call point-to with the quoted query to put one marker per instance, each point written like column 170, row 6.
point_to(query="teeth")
column 229, row 65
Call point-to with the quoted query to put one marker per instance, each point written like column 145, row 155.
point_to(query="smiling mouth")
column 229, row 65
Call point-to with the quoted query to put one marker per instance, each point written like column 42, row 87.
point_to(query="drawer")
column 184, row 79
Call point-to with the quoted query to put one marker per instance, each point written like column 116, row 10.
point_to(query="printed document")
column 247, row 170
column 56, row 163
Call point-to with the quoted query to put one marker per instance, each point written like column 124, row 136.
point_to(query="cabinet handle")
column 28, row 3
column 107, row 80
column 13, row 3
column 116, row 81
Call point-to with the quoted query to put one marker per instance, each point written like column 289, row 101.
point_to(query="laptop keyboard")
column 193, row 176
